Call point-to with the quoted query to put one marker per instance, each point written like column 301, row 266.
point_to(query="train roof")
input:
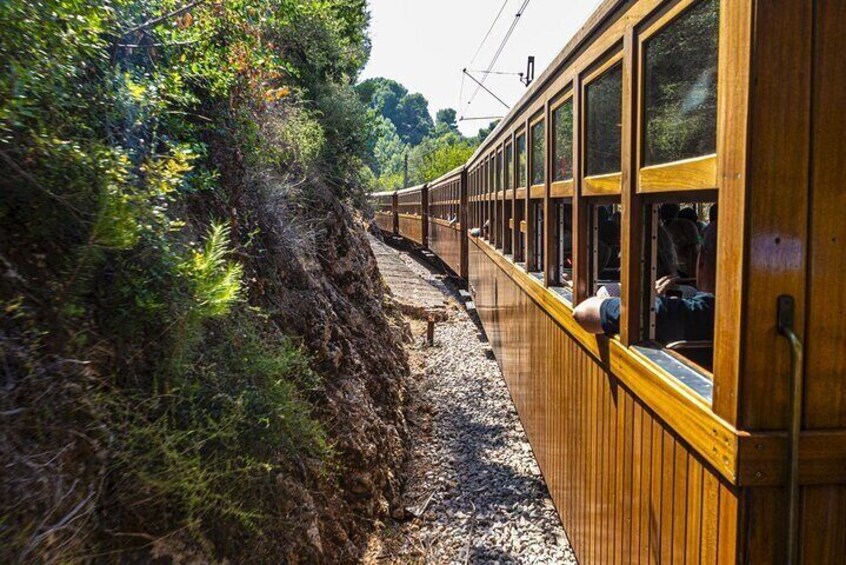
column 603, row 15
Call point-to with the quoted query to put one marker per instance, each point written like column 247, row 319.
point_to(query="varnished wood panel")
column 625, row 485
column 411, row 228
column 385, row 221
column 823, row 513
column 445, row 242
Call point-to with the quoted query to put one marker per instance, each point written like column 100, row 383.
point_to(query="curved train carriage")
column 693, row 139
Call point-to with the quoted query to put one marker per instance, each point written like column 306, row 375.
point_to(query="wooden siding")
column 385, row 221
column 445, row 242
column 411, row 228
column 628, row 489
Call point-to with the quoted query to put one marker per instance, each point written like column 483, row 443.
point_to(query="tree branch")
column 160, row 19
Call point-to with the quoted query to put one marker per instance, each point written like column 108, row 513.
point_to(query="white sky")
column 424, row 44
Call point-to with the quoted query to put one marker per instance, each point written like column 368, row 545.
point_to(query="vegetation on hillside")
column 402, row 128
column 154, row 157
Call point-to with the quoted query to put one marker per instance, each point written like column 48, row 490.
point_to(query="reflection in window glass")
column 521, row 160
column 499, row 171
column 603, row 98
column 680, row 87
column 509, row 168
column 538, row 149
column 562, row 131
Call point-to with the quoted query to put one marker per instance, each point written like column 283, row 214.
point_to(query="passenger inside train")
column 678, row 317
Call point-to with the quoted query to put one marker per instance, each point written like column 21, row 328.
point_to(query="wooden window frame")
column 609, row 183
column 694, row 173
column 536, row 190
column 561, row 188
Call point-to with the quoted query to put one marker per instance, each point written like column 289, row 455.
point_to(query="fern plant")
column 215, row 282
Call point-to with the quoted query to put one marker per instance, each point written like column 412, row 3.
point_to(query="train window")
column 521, row 160
column 681, row 253
column 520, row 229
column 680, row 87
column 561, row 274
column 509, row 168
column 604, row 249
column 498, row 201
column 562, row 136
column 536, row 260
column 538, row 153
column 604, row 103
column 507, row 221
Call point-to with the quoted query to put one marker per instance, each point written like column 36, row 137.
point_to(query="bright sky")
column 424, row 44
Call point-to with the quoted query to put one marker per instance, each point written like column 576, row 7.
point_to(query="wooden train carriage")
column 385, row 211
column 447, row 236
column 678, row 452
column 412, row 207
column 722, row 450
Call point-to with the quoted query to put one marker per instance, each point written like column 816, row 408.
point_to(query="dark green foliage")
column 408, row 112
column 562, row 132
column 680, row 91
column 604, row 101
column 401, row 127
column 131, row 137
column 445, row 121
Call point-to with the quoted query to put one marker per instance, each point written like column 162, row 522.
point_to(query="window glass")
column 562, row 272
column 509, row 168
column 605, row 249
column 509, row 217
column 603, row 99
column 562, row 131
column 519, row 216
column 681, row 245
column 536, row 264
column 521, row 160
column 680, row 87
column 498, row 171
column 538, row 149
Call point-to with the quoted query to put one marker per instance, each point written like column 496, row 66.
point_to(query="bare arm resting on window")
column 587, row 314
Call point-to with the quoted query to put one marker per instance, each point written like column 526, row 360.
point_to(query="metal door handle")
column 785, row 328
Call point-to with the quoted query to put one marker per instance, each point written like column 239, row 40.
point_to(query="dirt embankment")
column 329, row 291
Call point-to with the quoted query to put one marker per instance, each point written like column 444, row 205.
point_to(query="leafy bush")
column 163, row 404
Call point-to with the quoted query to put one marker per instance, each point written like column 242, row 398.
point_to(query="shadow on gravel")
column 497, row 493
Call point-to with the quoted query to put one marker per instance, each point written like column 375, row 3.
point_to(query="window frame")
column 607, row 183
column 565, row 187
column 694, row 173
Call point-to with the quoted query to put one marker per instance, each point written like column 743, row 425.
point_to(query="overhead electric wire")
column 499, row 50
column 490, row 29
column 492, row 72
column 486, row 89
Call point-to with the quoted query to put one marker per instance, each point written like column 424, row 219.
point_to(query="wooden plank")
column 680, row 510
column 710, row 519
column 698, row 173
column 733, row 78
column 631, row 229
column 667, row 476
column 602, row 185
column 636, row 482
column 825, row 332
column 823, row 525
column 728, row 550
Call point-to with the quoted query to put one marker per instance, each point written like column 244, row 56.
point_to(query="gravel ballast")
column 473, row 489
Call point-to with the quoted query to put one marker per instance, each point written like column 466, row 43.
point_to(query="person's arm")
column 588, row 314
